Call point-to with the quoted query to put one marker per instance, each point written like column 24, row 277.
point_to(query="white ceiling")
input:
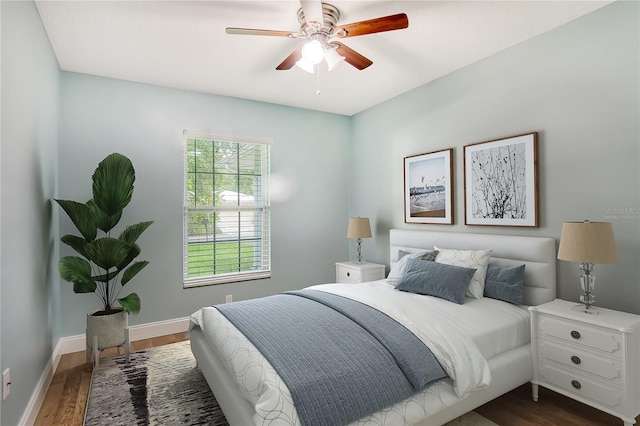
column 183, row 44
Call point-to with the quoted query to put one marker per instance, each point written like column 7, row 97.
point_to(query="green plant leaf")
column 103, row 221
column 133, row 232
column 84, row 287
column 130, row 303
column 81, row 217
column 132, row 271
column 107, row 252
column 73, row 268
column 103, row 278
column 75, row 243
column 78, row 271
column 113, row 184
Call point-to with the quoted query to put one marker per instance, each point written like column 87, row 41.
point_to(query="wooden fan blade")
column 352, row 57
column 377, row 25
column 254, row 31
column 291, row 60
column 313, row 11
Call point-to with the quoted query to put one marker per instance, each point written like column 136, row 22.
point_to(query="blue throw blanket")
column 340, row 359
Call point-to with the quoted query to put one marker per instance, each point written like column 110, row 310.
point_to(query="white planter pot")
column 110, row 329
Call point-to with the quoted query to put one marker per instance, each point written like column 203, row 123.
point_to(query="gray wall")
column 29, row 150
column 144, row 122
column 577, row 86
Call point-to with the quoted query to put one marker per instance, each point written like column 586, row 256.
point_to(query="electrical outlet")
column 6, row 383
column 228, row 298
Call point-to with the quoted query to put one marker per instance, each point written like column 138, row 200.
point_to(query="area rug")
column 159, row 386
column 163, row 386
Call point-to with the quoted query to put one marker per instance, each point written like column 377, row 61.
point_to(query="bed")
column 229, row 362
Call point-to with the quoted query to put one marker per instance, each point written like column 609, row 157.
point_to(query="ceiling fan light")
column 313, row 52
column 333, row 58
column 306, row 65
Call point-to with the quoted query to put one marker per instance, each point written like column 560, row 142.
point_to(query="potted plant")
column 106, row 263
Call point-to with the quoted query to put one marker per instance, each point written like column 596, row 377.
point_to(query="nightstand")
column 354, row 272
column 594, row 359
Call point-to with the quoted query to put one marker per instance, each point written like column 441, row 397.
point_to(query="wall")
column 145, row 123
column 578, row 87
column 29, row 284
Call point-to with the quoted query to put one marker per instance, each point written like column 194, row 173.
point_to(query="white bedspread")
column 462, row 338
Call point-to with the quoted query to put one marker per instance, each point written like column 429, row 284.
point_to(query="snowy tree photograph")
column 500, row 182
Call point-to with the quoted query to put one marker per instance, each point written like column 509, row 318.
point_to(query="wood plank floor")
column 66, row 398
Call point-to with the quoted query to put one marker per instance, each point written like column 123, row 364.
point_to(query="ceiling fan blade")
column 352, row 57
column 313, row 11
column 254, row 31
column 291, row 60
column 377, row 25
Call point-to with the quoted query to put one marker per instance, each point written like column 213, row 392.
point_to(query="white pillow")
column 398, row 268
column 476, row 259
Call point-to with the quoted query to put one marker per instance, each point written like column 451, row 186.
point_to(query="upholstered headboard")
column 537, row 253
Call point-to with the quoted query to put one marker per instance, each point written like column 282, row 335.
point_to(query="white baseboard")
column 37, row 397
column 137, row 332
column 77, row 343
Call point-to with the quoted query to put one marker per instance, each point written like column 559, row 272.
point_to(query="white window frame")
column 264, row 208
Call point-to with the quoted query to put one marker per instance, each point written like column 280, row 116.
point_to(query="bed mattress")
column 489, row 327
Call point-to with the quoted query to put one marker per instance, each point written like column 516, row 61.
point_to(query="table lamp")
column 359, row 228
column 587, row 243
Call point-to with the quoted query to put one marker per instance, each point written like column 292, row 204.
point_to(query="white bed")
column 439, row 403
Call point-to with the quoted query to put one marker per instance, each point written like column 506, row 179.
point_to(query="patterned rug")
column 159, row 386
column 163, row 386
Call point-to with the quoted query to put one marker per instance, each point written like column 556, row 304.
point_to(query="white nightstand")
column 354, row 272
column 594, row 359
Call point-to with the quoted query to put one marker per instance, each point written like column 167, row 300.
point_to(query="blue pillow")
column 505, row 283
column 447, row 282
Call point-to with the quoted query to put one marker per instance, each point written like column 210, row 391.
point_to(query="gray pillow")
column 505, row 283
column 447, row 282
column 424, row 255
column 403, row 256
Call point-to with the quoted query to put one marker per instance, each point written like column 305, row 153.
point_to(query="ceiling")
column 183, row 44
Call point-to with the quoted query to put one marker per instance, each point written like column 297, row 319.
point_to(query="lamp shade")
column 306, row 65
column 359, row 228
column 587, row 242
column 313, row 52
column 333, row 58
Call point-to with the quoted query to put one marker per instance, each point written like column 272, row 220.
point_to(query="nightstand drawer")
column 354, row 273
column 608, row 396
column 349, row 275
column 605, row 368
column 581, row 334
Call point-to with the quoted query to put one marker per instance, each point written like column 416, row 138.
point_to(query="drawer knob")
column 576, row 360
column 575, row 334
column 576, row 384
column 348, row 274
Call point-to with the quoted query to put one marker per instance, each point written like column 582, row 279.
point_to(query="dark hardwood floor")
column 66, row 398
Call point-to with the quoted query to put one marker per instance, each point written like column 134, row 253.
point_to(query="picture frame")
column 501, row 182
column 428, row 188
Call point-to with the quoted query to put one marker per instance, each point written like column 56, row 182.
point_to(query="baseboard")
column 136, row 332
column 77, row 343
column 37, row 398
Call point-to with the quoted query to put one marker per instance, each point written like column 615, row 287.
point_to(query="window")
column 226, row 210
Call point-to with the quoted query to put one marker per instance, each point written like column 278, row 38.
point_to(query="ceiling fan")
column 319, row 26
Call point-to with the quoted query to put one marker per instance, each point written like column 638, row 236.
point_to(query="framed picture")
column 500, row 182
column 428, row 188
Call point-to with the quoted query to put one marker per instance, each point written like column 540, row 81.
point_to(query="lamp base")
column 359, row 251
column 587, row 283
column 592, row 310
